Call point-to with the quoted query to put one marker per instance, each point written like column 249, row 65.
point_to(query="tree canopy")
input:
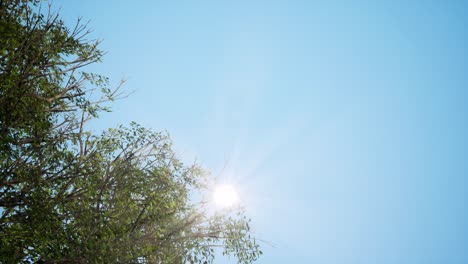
column 68, row 195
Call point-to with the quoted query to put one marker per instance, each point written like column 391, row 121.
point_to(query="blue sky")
column 343, row 124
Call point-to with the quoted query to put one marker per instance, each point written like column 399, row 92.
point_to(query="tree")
column 70, row 196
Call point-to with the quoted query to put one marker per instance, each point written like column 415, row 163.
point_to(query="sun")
column 225, row 195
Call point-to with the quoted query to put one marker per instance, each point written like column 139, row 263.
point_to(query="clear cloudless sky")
column 343, row 124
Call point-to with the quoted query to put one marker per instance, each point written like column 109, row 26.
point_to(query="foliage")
column 70, row 196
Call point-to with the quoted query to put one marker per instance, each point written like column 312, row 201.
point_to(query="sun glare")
column 225, row 195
